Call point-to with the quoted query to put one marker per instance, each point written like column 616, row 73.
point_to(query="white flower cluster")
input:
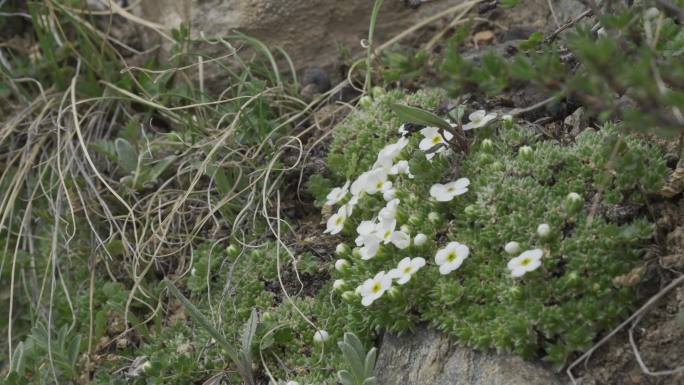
column 383, row 230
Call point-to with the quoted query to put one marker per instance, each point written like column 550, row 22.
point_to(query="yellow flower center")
column 436, row 139
column 378, row 185
column 451, row 256
column 376, row 288
column 407, row 270
column 339, row 220
column 387, row 234
column 525, row 261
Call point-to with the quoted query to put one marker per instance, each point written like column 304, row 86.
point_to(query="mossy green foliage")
column 554, row 311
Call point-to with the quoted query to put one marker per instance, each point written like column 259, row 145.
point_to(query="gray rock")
column 430, row 358
column 313, row 32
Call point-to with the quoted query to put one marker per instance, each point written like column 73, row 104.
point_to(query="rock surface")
column 314, row 32
column 428, row 357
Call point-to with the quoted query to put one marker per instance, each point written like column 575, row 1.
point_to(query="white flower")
column 377, row 181
column 292, row 383
column 512, row 247
column 385, row 228
column 374, row 288
column 338, row 284
column 369, row 250
column 432, row 137
column 367, row 233
column 447, row 192
column 400, row 239
column 451, row 257
column 387, row 155
column 478, row 119
column 337, row 194
column 406, row 268
column 402, row 130
column 351, row 204
column 321, row 336
column 389, row 194
column 420, row 239
column 543, row 230
column 341, row 264
column 401, row 167
column 507, row 117
column 389, row 212
column 336, row 221
column 574, row 197
column 528, row 261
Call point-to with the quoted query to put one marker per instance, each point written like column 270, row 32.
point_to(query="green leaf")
column 345, row 378
column 355, row 362
column 159, row 168
column 248, row 332
column 233, row 353
column 126, row 155
column 369, row 364
column 419, row 116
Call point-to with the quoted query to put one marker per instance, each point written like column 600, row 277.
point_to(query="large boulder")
column 313, row 32
column 428, row 357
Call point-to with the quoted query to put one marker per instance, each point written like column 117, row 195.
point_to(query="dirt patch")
column 657, row 336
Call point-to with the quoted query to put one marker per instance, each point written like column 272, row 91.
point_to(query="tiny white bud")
column 321, row 336
column 526, row 152
column 341, row 249
column 232, row 251
column 573, row 196
column 487, row 145
column 543, row 230
column 365, row 102
column 349, row 296
column 193, row 272
column 146, row 366
column 420, row 239
column 512, row 247
column 651, row 13
column 341, row 264
column 338, row 284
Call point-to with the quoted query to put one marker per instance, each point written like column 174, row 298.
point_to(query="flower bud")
column 651, row 13
column 420, row 239
column 193, row 272
column 507, row 118
column 341, row 264
column 366, row 102
column 321, row 336
column 232, row 251
column 405, row 229
column 266, row 316
column 487, row 145
column 349, row 296
column 342, row 249
column 526, row 152
column 434, row 217
column 573, row 202
column 146, row 366
column 498, row 166
column 512, row 247
column 543, row 230
column 338, row 284
column 393, row 292
column 377, row 91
